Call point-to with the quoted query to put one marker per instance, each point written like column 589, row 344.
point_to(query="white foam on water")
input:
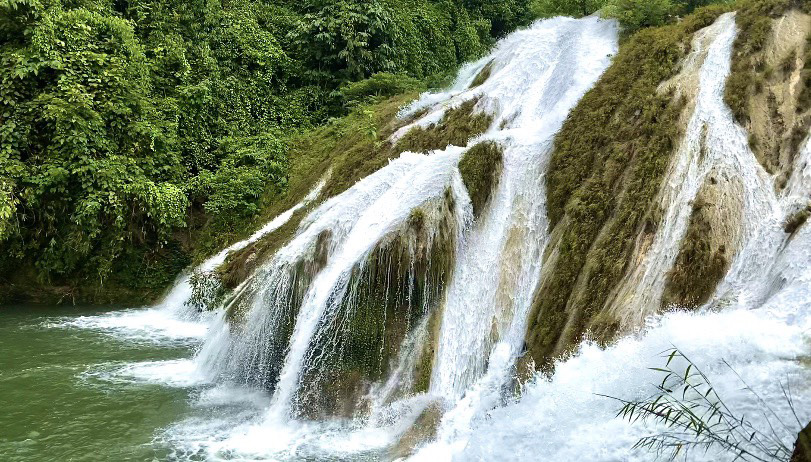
column 180, row 373
column 142, row 325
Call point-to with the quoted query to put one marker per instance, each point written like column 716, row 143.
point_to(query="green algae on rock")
column 480, row 167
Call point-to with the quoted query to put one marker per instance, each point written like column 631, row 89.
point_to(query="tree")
column 575, row 8
column 85, row 153
column 637, row 14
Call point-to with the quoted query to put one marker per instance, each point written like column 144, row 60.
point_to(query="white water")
column 537, row 77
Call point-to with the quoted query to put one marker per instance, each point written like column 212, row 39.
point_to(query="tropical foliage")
column 123, row 122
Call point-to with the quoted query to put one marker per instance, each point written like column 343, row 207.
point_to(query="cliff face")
column 645, row 204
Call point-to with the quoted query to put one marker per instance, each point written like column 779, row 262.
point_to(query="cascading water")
column 290, row 333
column 759, row 339
column 173, row 317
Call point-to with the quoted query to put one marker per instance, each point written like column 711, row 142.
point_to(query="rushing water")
column 163, row 383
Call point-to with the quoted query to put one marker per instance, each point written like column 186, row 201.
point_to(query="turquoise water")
column 70, row 393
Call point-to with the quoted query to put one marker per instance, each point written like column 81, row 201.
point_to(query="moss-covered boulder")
column 710, row 243
column 482, row 76
column 480, row 167
column 388, row 297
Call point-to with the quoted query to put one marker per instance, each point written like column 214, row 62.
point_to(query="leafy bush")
column 84, row 152
column 575, row 8
column 382, row 84
column 231, row 191
column 637, row 14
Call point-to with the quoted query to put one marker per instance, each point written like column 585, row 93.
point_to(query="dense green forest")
column 123, row 122
column 136, row 136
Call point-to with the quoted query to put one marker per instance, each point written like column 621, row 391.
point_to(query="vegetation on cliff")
column 607, row 168
column 159, row 123
column 458, row 125
column 770, row 84
column 632, row 15
column 608, row 163
column 480, row 167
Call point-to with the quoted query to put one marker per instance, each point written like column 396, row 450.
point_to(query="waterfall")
column 538, row 76
column 390, row 325
column 293, row 331
column 761, row 332
column 353, row 224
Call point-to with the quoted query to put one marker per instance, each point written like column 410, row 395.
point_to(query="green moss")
column 804, row 99
column 480, row 167
column 749, row 69
column 698, row 267
column 607, row 166
column 457, row 127
column 800, row 130
column 401, row 282
column 483, row 75
column 352, row 147
column 242, row 263
column 752, row 75
column 797, row 220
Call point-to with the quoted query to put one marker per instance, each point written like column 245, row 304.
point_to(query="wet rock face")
column 481, row 167
column 399, row 284
column 710, row 243
column 774, row 104
column 802, row 447
column 422, row 430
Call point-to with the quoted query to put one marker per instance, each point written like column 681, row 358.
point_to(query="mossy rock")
column 481, row 167
column 457, row 127
column 698, row 267
column 606, row 169
column 421, row 431
column 797, row 220
column 482, row 76
column 388, row 296
column 769, row 87
column 349, row 149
